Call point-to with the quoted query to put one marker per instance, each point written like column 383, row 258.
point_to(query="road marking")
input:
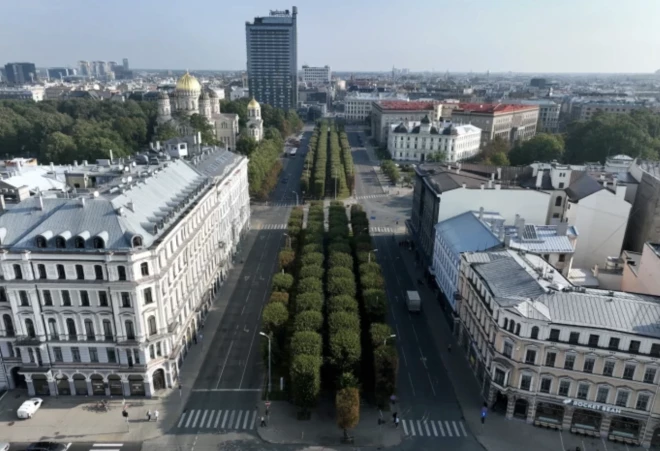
column 217, row 420
column 405, row 429
column 254, row 419
column 105, row 444
column 419, row 426
column 201, row 423
column 412, row 427
column 405, row 361
column 208, row 425
column 411, row 384
column 231, row 345
column 227, row 389
column 448, row 429
column 245, row 422
column 224, row 419
column 435, row 432
column 463, row 429
column 415, row 332
column 458, row 434
column 196, row 418
column 238, row 420
column 442, row 430
column 231, row 419
column 192, row 412
column 183, row 417
column 426, row 426
column 430, row 381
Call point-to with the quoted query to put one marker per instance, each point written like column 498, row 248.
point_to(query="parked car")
column 48, row 446
column 29, row 408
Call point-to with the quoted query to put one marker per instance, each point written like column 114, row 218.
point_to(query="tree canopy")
column 542, row 147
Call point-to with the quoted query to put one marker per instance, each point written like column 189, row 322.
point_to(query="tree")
column 342, row 304
column 370, row 268
column 312, row 259
column 282, row 282
column 345, row 349
column 347, row 404
column 340, row 259
column 542, row 147
column 246, row 145
column 274, row 316
column 371, row 281
column 58, row 147
column 309, row 301
column 306, row 343
column 496, row 145
column 166, row 132
column 386, row 365
column 338, row 286
column 310, row 285
column 338, row 271
column 338, row 321
column 311, row 271
column 379, row 333
column 309, row 320
column 313, row 247
column 286, row 259
column 279, row 296
column 497, row 159
column 375, row 305
column 305, row 381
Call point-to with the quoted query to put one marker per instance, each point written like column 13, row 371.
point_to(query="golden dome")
column 253, row 103
column 188, row 83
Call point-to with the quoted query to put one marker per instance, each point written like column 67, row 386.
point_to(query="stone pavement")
column 284, row 428
column 498, row 433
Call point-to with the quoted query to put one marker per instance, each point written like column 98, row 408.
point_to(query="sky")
column 348, row 35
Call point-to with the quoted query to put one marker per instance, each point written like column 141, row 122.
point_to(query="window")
column 41, row 269
column 103, row 299
column 121, row 272
column 80, row 272
column 499, row 377
column 655, row 350
column 29, row 328
column 634, row 347
column 130, row 330
column 530, row 356
column 152, row 352
column 125, row 299
column 112, row 356
column 569, row 361
column 66, row 298
column 148, row 297
column 98, row 242
column 649, row 375
column 602, row 394
column 508, row 349
column 608, row 368
column 9, row 326
column 61, row 274
column 159, row 351
column 535, row 333
column 75, row 352
column 107, row 330
column 136, row 354
column 642, row 401
column 629, row 371
column 546, row 384
column 48, row 298
column 18, row 272
column 622, row 398
column 144, row 269
column 583, row 391
column 23, row 296
column 84, row 298
column 153, row 330
column 593, row 340
column 60, row 242
column 98, row 272
column 554, row 334
column 3, row 295
column 71, row 329
column 558, row 201
column 564, row 387
column 52, row 329
column 525, row 382
column 89, row 330
column 79, row 242
column 41, row 242
column 93, row 355
column 614, row 343
column 562, row 258
column 57, row 352
column 574, row 338
column 589, row 364
column 550, row 358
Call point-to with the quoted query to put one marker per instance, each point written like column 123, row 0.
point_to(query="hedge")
column 305, row 377
column 314, row 258
column 345, row 349
column 282, row 282
column 342, row 304
column 274, row 316
column 339, row 286
column 343, row 321
column 279, row 296
column 375, row 305
column 310, row 285
column 340, row 259
column 308, row 321
column 379, row 332
column 309, row 343
column 311, row 271
column 309, row 301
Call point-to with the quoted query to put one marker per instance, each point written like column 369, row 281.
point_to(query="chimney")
column 3, row 206
column 515, row 221
column 521, row 228
column 490, row 183
column 464, row 185
column 52, row 166
column 602, row 176
column 481, row 213
column 41, row 202
column 482, row 186
column 75, row 163
column 507, row 241
column 82, row 202
column 562, row 228
column 492, row 176
column 500, row 233
column 458, row 170
column 84, row 162
column 499, row 173
column 539, row 179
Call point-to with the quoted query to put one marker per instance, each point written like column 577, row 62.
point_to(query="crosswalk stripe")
column 405, row 429
column 224, row 419
column 217, row 419
column 254, row 419
column 183, row 417
column 463, row 429
column 435, row 432
column 231, row 418
column 458, row 434
column 208, row 425
column 448, row 428
column 238, row 420
column 190, row 415
column 201, row 423
column 426, row 426
column 419, row 426
column 442, row 430
column 412, row 427
column 245, row 422
column 196, row 418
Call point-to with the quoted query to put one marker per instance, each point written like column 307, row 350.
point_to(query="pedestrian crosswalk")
column 370, row 196
column 428, row 428
column 381, row 230
column 273, row 227
column 218, row 419
column 106, row 446
column 283, row 203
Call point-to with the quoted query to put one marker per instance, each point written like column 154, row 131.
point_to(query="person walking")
column 156, row 415
column 263, row 421
column 396, row 422
column 148, row 415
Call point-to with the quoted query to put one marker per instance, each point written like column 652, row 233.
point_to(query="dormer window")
column 60, row 242
column 136, row 241
column 41, row 242
column 79, row 242
column 99, row 243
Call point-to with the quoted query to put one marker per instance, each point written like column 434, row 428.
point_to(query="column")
column 568, row 419
column 605, row 424
column 510, row 405
column 52, row 387
column 125, row 385
column 531, row 411
column 30, row 385
column 148, row 387
column 646, row 435
column 90, row 390
column 72, row 387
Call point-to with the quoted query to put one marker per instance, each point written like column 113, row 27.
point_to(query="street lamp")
column 288, row 240
column 369, row 255
column 391, row 336
column 296, row 193
column 269, row 374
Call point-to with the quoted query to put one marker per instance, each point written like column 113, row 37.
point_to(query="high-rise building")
column 125, row 64
column 21, row 73
column 56, row 73
column 99, row 68
column 85, row 68
column 272, row 58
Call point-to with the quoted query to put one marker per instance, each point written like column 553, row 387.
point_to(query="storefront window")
column 549, row 413
column 625, row 427
column 586, row 420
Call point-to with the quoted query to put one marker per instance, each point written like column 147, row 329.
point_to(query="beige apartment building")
column 641, row 272
column 558, row 356
column 512, row 123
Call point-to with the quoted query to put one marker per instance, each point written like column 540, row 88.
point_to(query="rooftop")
column 405, row 106
column 541, row 239
column 492, row 108
column 466, row 233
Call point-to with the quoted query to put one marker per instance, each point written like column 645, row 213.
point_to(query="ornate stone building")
column 255, row 124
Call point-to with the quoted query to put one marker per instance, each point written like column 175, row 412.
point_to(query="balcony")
column 27, row 340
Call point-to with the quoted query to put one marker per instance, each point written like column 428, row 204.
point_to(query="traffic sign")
column 267, row 403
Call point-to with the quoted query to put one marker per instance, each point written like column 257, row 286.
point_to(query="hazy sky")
column 455, row 35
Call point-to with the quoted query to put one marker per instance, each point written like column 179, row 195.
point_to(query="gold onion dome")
column 188, row 83
column 253, row 103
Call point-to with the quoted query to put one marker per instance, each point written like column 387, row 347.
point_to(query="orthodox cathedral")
column 189, row 99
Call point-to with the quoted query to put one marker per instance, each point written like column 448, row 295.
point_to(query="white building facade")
column 104, row 294
column 316, row 75
column 358, row 104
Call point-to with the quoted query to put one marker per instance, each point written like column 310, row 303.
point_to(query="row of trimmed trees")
column 380, row 361
column 320, row 161
column 308, row 166
column 347, row 160
column 337, row 186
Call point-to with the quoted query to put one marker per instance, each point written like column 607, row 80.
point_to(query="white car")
column 29, row 407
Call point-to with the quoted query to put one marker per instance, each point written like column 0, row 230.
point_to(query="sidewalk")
column 321, row 430
column 498, row 433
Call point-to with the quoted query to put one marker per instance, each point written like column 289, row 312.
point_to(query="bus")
column 292, row 152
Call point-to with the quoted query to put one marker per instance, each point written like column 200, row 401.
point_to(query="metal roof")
column 508, row 281
column 466, row 233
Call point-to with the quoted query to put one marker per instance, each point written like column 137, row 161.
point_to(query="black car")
column 47, row 446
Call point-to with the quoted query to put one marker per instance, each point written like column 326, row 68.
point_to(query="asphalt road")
column 89, row 446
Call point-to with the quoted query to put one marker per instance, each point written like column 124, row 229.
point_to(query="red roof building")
column 512, row 123
column 493, row 108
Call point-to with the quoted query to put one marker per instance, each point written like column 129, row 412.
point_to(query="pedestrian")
column 195, row 338
column 394, row 417
column 148, row 415
column 396, row 422
column 449, row 348
column 156, row 415
column 263, row 421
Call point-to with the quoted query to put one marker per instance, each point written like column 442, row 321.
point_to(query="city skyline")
column 505, row 36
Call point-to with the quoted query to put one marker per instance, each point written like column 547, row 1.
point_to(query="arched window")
column 137, row 241
column 506, row 323
column 52, row 329
column 517, row 329
column 71, row 329
column 9, row 325
column 535, row 332
column 41, row 241
column 130, row 330
column 107, row 330
column 99, row 243
column 29, row 328
column 60, row 242
column 558, row 201
column 512, row 325
column 79, row 242
column 153, row 330
column 89, row 330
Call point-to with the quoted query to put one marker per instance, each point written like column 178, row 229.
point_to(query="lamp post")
column 269, row 373
column 288, row 240
column 296, row 193
column 369, row 255
column 391, row 336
